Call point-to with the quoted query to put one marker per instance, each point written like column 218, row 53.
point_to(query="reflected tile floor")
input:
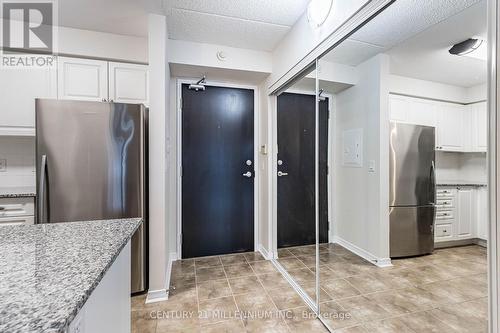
column 230, row 293
column 442, row 292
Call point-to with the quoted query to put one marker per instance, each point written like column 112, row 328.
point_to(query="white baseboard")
column 162, row 294
column 157, row 296
column 264, row 252
column 380, row 262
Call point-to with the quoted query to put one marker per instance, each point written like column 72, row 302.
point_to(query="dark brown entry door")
column 217, row 148
column 296, row 131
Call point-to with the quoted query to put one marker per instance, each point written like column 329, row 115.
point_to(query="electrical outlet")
column 3, row 165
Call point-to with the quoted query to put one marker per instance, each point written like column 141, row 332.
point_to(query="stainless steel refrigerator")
column 412, row 189
column 91, row 164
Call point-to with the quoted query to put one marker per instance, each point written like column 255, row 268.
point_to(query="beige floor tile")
column 303, row 320
column 340, row 288
column 369, row 283
column 238, row 270
column 141, row 322
column 391, row 325
column 183, row 279
column 232, row 259
column 273, row 280
column 218, row 309
column 213, row 289
column 209, row 273
column 286, row 298
column 183, row 293
column 268, row 325
column 364, row 309
column 336, row 316
column 464, row 317
column 395, row 302
column 284, row 253
column 255, row 304
column 207, row 262
column 291, row 263
column 447, row 292
column 352, row 329
column 246, row 284
column 424, row 322
column 254, row 256
column 228, row 326
column 262, row 267
column 302, row 276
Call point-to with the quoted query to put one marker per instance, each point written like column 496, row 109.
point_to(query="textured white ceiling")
column 352, row 52
column 252, row 24
column 426, row 55
column 417, row 34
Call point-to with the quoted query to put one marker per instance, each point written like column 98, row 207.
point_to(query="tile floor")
column 444, row 292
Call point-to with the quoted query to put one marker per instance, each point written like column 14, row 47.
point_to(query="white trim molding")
column 264, row 252
column 156, row 296
column 379, row 262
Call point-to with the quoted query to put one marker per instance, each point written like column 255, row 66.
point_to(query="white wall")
column 158, row 166
column 435, row 90
column 200, row 54
column 361, row 198
column 468, row 167
column 94, row 44
column 20, row 155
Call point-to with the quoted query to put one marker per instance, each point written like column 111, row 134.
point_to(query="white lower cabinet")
column 461, row 213
column 17, row 211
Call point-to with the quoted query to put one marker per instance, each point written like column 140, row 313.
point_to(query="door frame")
column 256, row 155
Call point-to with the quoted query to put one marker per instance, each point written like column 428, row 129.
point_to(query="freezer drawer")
column 411, row 231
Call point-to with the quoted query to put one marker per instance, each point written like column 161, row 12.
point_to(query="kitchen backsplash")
column 18, row 156
column 469, row 167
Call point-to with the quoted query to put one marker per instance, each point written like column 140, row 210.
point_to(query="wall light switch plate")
column 263, row 149
column 371, row 166
column 3, row 165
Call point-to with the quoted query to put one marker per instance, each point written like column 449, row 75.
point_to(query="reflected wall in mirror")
column 296, row 227
column 408, row 119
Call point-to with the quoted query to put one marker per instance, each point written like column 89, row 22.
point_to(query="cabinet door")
column 18, row 220
column 128, row 83
column 19, row 88
column 482, row 213
column 422, row 112
column 465, row 209
column 82, row 79
column 480, row 128
column 398, row 107
column 450, row 128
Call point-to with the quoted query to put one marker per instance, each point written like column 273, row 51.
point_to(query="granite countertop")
column 48, row 271
column 462, row 183
column 17, row 192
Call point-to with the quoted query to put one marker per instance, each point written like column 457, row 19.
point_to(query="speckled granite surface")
column 48, row 271
column 17, row 192
column 465, row 184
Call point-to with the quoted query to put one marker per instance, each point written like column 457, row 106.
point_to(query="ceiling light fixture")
column 472, row 47
column 318, row 11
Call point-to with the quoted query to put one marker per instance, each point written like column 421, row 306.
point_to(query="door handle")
column 41, row 187
column 281, row 174
column 247, row 174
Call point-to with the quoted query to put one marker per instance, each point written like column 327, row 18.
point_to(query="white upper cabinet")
column 19, row 88
column 398, row 108
column 82, row 79
column 480, row 127
column 450, row 131
column 422, row 112
column 128, row 83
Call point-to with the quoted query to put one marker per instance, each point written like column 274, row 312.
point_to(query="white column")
column 159, row 88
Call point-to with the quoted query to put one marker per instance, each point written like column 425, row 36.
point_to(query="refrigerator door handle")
column 433, row 182
column 42, row 188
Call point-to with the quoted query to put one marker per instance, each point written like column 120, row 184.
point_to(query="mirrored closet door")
column 296, row 184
